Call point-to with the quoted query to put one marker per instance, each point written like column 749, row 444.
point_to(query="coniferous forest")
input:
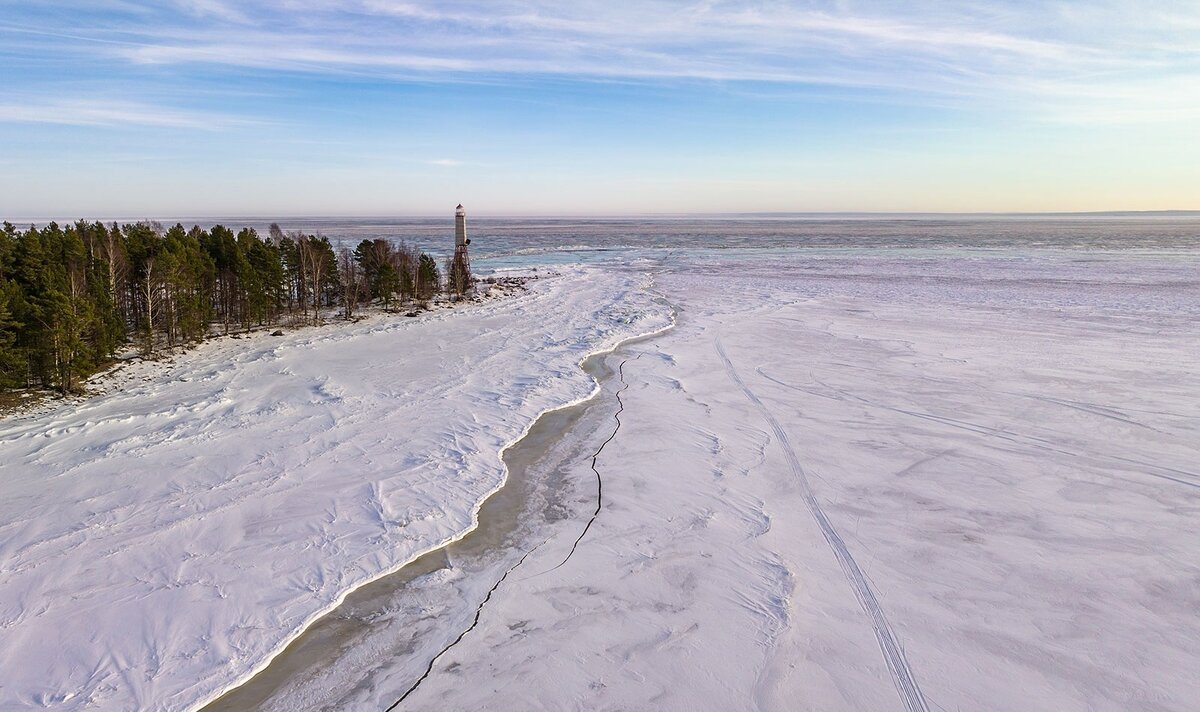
column 72, row 297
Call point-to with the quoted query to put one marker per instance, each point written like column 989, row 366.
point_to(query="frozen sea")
column 537, row 240
column 897, row 462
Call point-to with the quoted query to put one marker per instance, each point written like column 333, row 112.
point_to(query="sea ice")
column 160, row 543
column 1007, row 450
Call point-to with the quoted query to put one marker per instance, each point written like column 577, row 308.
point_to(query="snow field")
column 159, row 544
column 1006, row 450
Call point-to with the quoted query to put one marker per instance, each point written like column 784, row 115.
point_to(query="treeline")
column 71, row 297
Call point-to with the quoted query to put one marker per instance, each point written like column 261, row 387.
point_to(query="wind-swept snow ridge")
column 162, row 544
column 893, row 652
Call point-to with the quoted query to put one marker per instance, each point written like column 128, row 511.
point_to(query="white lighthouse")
column 460, row 228
column 460, row 266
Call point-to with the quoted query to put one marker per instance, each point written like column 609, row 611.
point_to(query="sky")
column 124, row 108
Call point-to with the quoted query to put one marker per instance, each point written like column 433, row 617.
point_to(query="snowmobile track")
column 893, row 652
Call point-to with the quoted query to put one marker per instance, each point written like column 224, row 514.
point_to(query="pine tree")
column 428, row 278
column 12, row 359
column 71, row 297
column 223, row 249
column 293, row 276
column 146, row 282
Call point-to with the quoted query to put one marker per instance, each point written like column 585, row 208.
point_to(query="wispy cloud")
column 212, row 8
column 1019, row 56
column 445, row 162
column 85, row 112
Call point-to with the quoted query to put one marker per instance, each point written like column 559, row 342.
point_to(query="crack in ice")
column 599, row 479
column 456, row 641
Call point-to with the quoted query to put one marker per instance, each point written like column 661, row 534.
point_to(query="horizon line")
column 849, row 214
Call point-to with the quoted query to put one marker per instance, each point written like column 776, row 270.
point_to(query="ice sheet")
column 1009, row 452
column 159, row 543
column 1005, row 449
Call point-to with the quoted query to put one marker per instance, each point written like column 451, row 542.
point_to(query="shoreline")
column 26, row 403
column 272, row 477
column 599, row 355
column 503, row 514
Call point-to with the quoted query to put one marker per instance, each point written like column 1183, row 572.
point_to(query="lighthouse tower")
column 460, row 227
column 460, row 266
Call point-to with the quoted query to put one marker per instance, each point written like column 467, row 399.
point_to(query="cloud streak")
column 107, row 113
column 1048, row 60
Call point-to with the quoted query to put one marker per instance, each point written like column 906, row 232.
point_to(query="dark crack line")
column 456, row 641
column 599, row 479
column 592, row 520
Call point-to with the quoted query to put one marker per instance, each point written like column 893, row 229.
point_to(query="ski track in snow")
column 1033, row 441
column 1014, row 573
column 893, row 652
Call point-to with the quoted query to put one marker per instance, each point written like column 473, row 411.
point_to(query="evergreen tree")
column 71, row 297
column 293, row 275
column 30, row 312
column 107, row 330
column 222, row 247
column 428, row 278
column 387, row 283
column 12, row 359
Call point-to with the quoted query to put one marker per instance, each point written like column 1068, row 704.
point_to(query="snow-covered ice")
column 158, row 544
column 1003, row 458
column 844, row 480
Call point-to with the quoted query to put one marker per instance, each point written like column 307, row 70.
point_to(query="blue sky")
column 388, row 107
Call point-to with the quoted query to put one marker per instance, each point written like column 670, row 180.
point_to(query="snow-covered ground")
column 159, row 543
column 870, row 484
column 844, row 481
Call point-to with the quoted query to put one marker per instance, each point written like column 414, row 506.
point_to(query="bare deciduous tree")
column 315, row 255
column 352, row 283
